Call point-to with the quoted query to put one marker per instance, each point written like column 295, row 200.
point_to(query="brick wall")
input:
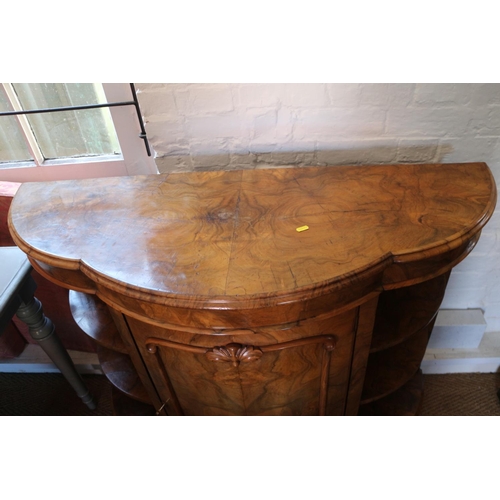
column 232, row 126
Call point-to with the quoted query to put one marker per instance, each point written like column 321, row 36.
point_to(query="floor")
column 48, row 394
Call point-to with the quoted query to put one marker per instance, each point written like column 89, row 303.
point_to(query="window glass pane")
column 69, row 133
column 12, row 144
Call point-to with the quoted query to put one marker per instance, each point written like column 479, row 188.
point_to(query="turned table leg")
column 42, row 330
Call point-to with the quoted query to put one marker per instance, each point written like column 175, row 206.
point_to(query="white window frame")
column 132, row 161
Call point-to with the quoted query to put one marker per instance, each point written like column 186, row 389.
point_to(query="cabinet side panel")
column 363, row 340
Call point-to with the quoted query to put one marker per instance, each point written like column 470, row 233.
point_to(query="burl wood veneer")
column 207, row 301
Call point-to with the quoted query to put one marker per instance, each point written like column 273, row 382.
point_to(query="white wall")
column 224, row 126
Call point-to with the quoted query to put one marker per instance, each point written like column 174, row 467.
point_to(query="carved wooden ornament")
column 235, row 354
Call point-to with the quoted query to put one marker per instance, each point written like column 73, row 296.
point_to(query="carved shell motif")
column 234, row 353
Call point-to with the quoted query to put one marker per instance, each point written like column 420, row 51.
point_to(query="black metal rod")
column 139, row 116
column 134, row 103
column 67, row 108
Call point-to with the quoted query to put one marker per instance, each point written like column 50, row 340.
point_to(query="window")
column 83, row 143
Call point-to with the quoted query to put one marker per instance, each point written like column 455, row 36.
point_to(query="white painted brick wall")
column 230, row 126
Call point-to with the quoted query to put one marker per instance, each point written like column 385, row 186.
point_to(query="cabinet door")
column 303, row 369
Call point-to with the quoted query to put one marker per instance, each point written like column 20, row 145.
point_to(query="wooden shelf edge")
column 91, row 314
column 120, row 371
column 389, row 370
column 406, row 401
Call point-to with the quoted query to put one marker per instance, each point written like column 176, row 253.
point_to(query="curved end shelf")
column 406, row 401
column 121, row 373
column 92, row 316
column 389, row 370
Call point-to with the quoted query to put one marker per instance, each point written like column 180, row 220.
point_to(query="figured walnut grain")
column 228, row 239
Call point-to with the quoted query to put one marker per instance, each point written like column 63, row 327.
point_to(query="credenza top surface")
column 233, row 233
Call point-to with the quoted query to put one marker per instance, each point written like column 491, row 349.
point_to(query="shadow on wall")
column 363, row 156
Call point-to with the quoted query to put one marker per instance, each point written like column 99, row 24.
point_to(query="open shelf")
column 404, row 311
column 121, row 373
column 91, row 314
column 406, row 401
column 390, row 369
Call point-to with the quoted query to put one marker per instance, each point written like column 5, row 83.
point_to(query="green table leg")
column 42, row 330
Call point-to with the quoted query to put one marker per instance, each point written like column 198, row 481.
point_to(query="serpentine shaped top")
column 231, row 235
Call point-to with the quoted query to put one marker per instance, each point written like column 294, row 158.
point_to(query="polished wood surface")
column 204, row 265
column 230, row 237
column 93, row 317
column 120, row 371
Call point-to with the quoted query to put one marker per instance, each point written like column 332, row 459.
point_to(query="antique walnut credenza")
column 205, row 299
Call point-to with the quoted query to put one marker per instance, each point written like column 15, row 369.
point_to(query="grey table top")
column 14, row 266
